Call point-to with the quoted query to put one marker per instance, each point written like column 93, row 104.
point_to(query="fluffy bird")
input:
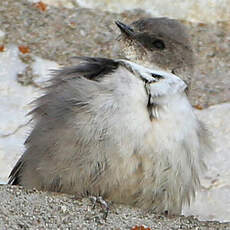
column 119, row 130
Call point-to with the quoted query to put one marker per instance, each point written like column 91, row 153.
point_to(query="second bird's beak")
column 125, row 29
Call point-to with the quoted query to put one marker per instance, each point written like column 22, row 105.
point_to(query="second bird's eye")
column 159, row 44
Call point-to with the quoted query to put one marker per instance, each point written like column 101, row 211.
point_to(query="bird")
column 158, row 42
column 115, row 129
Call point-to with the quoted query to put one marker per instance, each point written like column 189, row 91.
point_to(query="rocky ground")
column 57, row 34
column 30, row 209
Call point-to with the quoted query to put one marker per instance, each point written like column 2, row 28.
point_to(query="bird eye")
column 157, row 76
column 159, row 44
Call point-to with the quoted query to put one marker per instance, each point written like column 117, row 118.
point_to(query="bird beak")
column 125, row 29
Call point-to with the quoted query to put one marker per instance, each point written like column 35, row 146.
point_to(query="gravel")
column 31, row 209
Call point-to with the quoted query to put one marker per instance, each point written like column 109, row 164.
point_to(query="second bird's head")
column 158, row 43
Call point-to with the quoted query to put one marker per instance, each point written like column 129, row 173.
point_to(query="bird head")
column 158, row 42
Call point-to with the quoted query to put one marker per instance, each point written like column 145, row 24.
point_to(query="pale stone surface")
column 14, row 99
column 209, row 11
column 15, row 104
column 213, row 202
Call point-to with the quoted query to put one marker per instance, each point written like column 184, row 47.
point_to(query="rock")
column 31, row 209
column 209, row 11
column 215, row 194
